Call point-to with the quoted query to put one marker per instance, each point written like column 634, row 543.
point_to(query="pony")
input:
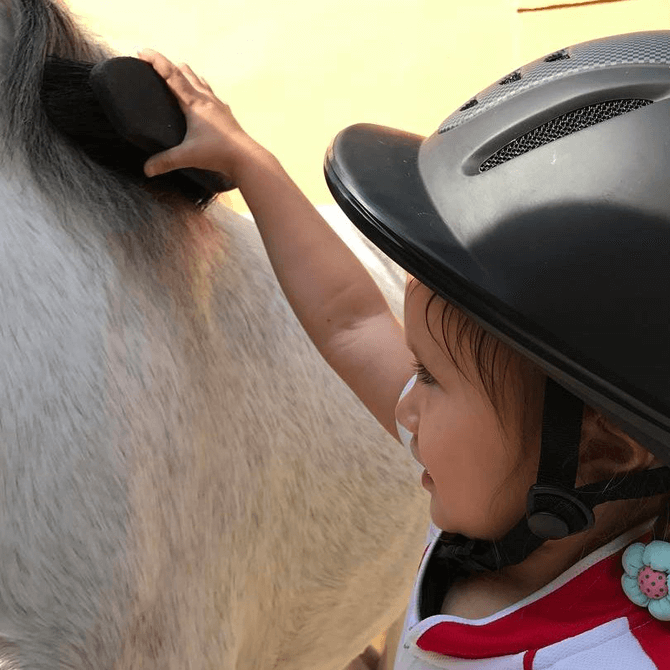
column 184, row 482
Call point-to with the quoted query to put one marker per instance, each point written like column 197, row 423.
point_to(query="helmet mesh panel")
column 560, row 127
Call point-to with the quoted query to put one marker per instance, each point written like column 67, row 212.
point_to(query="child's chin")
column 440, row 519
column 446, row 522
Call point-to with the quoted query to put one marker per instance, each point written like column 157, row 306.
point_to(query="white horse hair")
column 184, row 483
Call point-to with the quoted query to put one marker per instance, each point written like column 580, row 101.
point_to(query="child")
column 536, row 226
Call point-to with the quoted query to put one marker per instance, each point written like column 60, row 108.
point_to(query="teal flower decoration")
column 646, row 579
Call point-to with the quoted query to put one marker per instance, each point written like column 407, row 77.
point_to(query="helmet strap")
column 553, row 509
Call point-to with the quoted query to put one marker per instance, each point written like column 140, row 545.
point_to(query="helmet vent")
column 469, row 104
column 558, row 55
column 560, row 127
column 509, row 79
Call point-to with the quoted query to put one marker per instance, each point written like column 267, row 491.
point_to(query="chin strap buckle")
column 554, row 513
column 460, row 549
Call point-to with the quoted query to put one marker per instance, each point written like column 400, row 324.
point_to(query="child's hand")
column 214, row 140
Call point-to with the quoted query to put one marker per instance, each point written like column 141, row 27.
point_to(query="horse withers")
column 184, row 483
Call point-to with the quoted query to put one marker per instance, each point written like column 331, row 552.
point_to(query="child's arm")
column 333, row 296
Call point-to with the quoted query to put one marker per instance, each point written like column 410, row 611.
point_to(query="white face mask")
column 404, row 434
column 406, row 437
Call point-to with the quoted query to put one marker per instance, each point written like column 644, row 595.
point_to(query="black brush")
column 120, row 111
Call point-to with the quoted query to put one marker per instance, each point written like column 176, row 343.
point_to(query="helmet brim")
column 374, row 175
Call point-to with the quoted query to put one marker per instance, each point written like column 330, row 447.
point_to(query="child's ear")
column 606, row 450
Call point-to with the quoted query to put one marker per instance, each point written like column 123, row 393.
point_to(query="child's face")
column 478, row 479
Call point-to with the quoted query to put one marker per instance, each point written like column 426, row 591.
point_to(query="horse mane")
column 115, row 196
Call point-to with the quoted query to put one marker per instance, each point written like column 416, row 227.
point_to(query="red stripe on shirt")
column 528, row 659
column 588, row 600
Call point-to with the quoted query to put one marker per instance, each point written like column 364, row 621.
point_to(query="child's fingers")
column 166, row 161
column 162, row 66
column 145, row 53
column 174, row 77
column 212, row 134
column 192, row 76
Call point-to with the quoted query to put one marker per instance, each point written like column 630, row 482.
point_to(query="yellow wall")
column 296, row 72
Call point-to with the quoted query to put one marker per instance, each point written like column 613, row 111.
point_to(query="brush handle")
column 143, row 110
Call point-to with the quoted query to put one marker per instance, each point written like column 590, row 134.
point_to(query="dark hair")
column 499, row 368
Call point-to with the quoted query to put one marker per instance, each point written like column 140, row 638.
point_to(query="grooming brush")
column 128, row 95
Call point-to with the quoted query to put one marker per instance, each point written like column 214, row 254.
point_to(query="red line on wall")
column 567, row 5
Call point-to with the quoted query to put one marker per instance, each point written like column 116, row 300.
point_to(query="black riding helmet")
column 541, row 208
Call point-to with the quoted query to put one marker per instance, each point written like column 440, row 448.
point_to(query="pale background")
column 298, row 71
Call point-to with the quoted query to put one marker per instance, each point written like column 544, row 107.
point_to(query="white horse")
column 184, row 483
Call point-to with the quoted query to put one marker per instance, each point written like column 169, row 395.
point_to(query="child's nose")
column 405, row 415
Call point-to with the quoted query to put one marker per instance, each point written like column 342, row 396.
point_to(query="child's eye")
column 422, row 374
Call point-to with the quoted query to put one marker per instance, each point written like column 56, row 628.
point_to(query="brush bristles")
column 71, row 106
column 69, row 103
